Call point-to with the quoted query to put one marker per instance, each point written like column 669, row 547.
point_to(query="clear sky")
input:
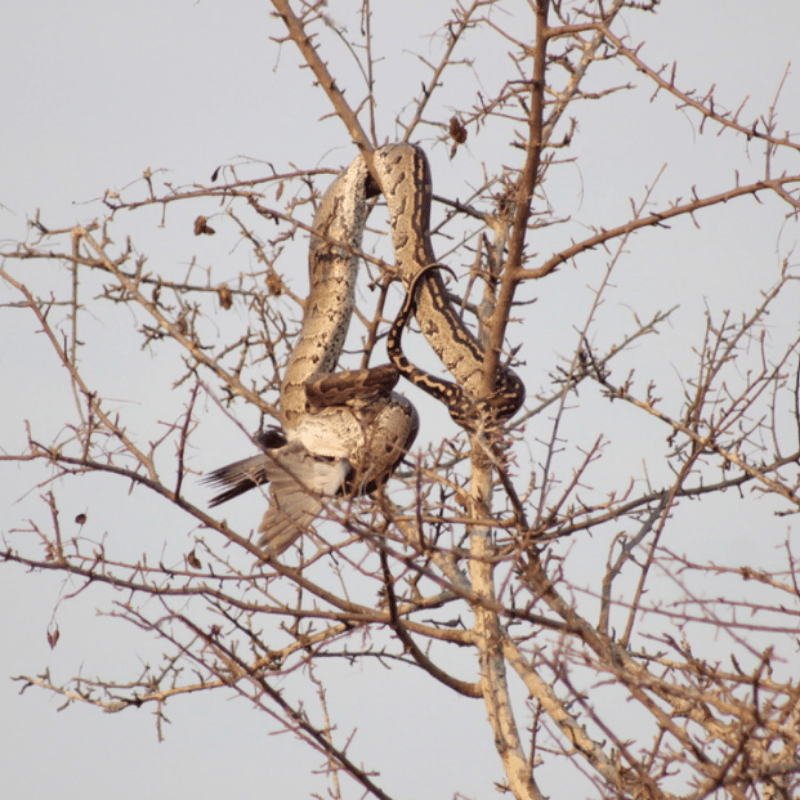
column 93, row 93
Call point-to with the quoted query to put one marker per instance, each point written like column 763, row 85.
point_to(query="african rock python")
column 406, row 178
column 345, row 432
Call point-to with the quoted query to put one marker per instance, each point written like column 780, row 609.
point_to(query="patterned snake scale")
column 406, row 178
column 343, row 433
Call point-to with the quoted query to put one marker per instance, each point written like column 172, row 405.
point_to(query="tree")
column 555, row 571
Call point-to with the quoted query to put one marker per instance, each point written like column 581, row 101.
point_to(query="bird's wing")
column 299, row 481
column 241, row 476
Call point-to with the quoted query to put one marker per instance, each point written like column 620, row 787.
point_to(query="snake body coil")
column 345, row 432
column 406, row 179
column 342, row 432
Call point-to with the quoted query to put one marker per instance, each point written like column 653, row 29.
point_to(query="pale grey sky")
column 95, row 92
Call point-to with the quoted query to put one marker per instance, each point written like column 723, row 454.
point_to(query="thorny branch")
column 473, row 560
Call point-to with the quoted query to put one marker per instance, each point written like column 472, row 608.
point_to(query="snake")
column 405, row 177
column 341, row 433
column 344, row 433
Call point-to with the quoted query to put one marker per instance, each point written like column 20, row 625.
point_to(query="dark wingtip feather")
column 241, row 476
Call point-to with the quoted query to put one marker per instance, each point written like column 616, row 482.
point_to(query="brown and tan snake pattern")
column 345, row 432
column 341, row 432
column 406, row 179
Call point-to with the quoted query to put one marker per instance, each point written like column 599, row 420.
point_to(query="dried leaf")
column 201, row 226
column 53, row 635
column 225, row 297
column 457, row 131
column 274, row 283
